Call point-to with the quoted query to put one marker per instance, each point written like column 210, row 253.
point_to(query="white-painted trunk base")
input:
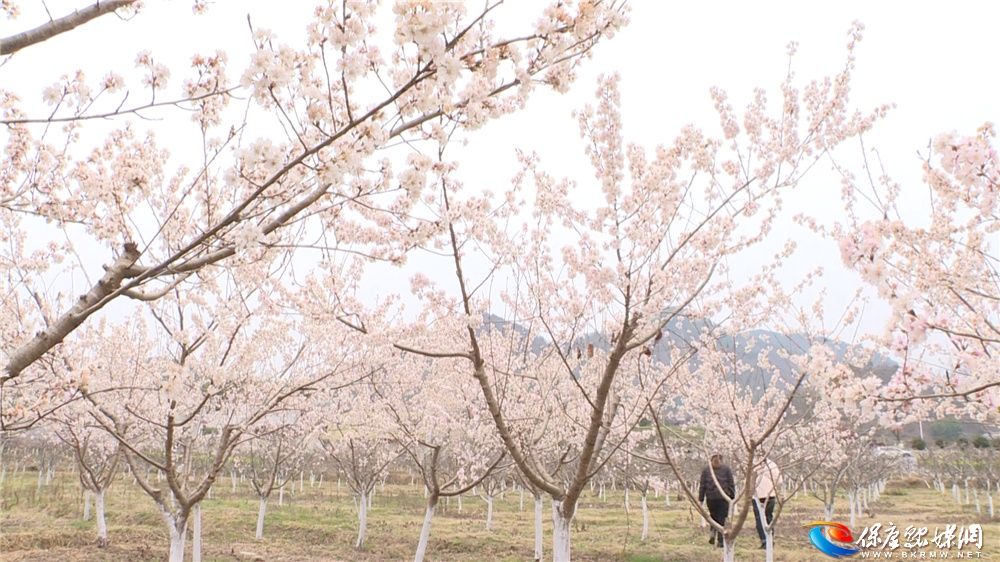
column 539, row 534
column 729, row 551
column 177, row 530
column 261, row 510
column 560, row 534
column 362, row 521
column 102, row 525
column 425, row 535
column 196, row 534
column 645, row 519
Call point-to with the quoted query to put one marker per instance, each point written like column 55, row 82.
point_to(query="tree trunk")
column 178, row 530
column 645, row 518
column 362, row 520
column 86, row 505
column 102, row 525
column 260, row 518
column 460, row 503
column 769, row 543
column 196, row 535
column 520, row 499
column 560, row 534
column 425, row 532
column 539, row 535
column 728, row 550
column 281, row 495
column 489, row 513
column 852, row 501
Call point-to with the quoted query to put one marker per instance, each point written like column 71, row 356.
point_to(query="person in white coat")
column 768, row 479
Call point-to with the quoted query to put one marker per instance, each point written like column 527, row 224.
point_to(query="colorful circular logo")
column 832, row 539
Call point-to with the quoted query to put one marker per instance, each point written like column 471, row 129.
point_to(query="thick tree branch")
column 46, row 31
column 122, row 268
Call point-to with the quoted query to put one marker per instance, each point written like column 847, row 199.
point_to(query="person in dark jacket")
column 717, row 492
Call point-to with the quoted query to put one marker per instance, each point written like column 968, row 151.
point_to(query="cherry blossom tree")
column 555, row 271
column 197, row 394
column 437, row 419
column 717, row 399
column 937, row 266
column 278, row 448
column 342, row 94
column 97, row 456
column 358, row 439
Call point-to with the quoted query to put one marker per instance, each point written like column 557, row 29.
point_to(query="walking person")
column 717, row 490
column 768, row 478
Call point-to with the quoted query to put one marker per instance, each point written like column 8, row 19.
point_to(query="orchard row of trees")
column 282, row 463
column 551, row 330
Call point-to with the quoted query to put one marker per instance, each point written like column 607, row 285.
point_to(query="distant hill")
column 682, row 330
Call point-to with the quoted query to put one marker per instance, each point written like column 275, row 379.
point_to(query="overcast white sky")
column 937, row 61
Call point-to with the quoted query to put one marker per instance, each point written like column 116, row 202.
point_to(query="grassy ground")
column 319, row 524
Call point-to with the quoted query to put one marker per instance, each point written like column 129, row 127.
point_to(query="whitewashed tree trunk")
column 489, row 513
column 560, row 534
column 989, row 504
column 261, row 510
column 178, row 532
column 728, row 551
column 232, row 480
column 852, row 502
column 102, row 525
column 281, row 495
column 828, row 511
column 86, row 505
column 520, row 499
column 362, row 520
column 460, row 503
column 539, row 535
column 769, row 542
column 425, row 534
column 196, row 534
column 645, row 519
column 628, row 506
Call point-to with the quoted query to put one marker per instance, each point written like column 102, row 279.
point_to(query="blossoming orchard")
column 439, row 280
